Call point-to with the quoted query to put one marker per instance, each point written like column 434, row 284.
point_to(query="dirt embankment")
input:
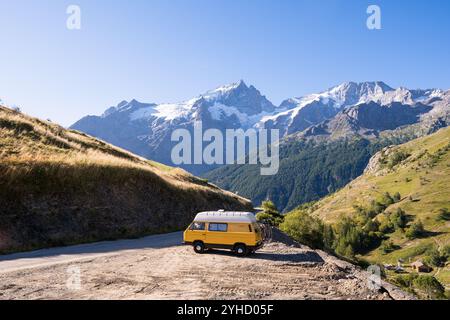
column 281, row 270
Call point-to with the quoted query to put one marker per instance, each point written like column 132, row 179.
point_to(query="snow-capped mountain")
column 301, row 113
column 145, row 128
column 233, row 102
column 422, row 111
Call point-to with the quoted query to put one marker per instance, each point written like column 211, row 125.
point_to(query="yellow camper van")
column 237, row 231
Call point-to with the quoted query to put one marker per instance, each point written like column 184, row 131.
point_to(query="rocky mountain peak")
column 246, row 99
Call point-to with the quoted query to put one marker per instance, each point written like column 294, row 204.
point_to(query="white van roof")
column 225, row 216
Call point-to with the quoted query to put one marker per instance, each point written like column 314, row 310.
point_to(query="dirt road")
column 158, row 267
column 48, row 257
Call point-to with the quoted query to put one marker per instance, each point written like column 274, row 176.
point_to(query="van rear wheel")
column 240, row 250
column 199, row 247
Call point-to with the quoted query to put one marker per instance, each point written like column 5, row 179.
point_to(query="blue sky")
column 171, row 50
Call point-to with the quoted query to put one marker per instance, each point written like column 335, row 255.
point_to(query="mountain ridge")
column 145, row 128
column 328, row 155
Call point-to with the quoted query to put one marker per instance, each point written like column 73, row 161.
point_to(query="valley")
column 395, row 214
column 338, row 112
column 202, row 151
column 362, row 174
column 326, row 156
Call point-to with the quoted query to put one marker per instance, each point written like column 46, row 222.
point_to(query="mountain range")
column 366, row 108
column 327, row 137
column 341, row 153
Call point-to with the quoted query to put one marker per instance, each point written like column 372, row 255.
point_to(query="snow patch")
column 166, row 111
column 220, row 111
column 220, row 91
column 142, row 113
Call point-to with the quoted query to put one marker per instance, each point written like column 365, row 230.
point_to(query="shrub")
column 306, row 229
column 386, row 227
column 349, row 235
column 406, row 281
column 398, row 218
column 396, row 157
column 328, row 237
column 443, row 215
column 270, row 214
column 445, row 252
column 349, row 252
column 371, row 226
column 434, row 257
column 386, row 199
column 376, row 207
column 430, row 286
column 416, row 230
column 388, row 246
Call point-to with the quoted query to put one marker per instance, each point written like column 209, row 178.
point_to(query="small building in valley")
column 419, row 266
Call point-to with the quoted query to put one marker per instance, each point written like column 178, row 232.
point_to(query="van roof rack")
column 225, row 216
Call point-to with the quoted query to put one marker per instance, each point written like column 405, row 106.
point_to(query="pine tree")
column 270, row 214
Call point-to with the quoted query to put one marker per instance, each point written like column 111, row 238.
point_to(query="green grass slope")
column 418, row 171
column 60, row 187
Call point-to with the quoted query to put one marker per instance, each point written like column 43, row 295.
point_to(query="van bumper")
column 226, row 246
column 257, row 246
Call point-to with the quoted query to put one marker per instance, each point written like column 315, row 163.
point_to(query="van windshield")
column 198, row 226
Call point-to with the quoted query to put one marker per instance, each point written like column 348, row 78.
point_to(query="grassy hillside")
column 403, row 188
column 61, row 187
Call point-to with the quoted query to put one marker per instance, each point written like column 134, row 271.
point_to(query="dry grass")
column 27, row 142
column 61, row 186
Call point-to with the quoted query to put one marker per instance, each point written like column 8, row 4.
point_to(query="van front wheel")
column 199, row 247
column 240, row 250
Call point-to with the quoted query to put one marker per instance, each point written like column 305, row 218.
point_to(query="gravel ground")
column 277, row 271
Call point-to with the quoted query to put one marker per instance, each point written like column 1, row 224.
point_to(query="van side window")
column 198, row 226
column 223, row 227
